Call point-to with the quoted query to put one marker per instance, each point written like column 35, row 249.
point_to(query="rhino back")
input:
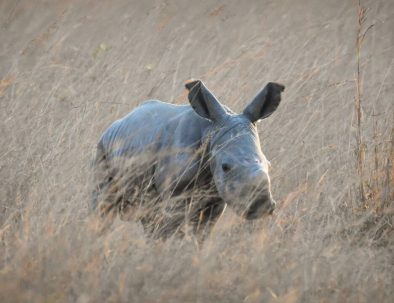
column 153, row 126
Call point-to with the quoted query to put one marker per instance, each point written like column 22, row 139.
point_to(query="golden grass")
column 320, row 245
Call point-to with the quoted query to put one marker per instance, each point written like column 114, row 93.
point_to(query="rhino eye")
column 226, row 167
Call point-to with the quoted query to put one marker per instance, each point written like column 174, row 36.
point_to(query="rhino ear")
column 265, row 102
column 204, row 102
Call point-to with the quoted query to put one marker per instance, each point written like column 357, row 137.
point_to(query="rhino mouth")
column 259, row 208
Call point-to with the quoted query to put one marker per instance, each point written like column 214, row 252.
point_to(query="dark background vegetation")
column 70, row 68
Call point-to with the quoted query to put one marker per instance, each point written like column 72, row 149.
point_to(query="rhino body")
column 171, row 149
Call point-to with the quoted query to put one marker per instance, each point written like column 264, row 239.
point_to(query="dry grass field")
column 70, row 68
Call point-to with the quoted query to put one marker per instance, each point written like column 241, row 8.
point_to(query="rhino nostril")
column 226, row 167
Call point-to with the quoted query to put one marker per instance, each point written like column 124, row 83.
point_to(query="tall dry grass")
column 70, row 69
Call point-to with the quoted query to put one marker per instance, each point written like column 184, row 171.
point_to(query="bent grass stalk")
column 360, row 144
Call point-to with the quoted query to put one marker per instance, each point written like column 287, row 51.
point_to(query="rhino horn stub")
column 204, row 102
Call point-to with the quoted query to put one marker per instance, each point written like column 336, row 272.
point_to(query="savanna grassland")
column 70, row 68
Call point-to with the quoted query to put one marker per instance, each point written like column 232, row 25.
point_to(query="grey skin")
column 203, row 144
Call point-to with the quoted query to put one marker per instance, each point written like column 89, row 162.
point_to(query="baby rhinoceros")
column 195, row 159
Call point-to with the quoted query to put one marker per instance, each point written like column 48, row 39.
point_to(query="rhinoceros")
column 172, row 150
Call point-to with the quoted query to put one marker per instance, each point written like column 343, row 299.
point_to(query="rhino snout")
column 260, row 207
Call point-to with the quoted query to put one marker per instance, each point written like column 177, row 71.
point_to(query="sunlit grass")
column 320, row 245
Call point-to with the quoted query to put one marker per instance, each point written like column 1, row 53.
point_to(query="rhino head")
column 238, row 166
